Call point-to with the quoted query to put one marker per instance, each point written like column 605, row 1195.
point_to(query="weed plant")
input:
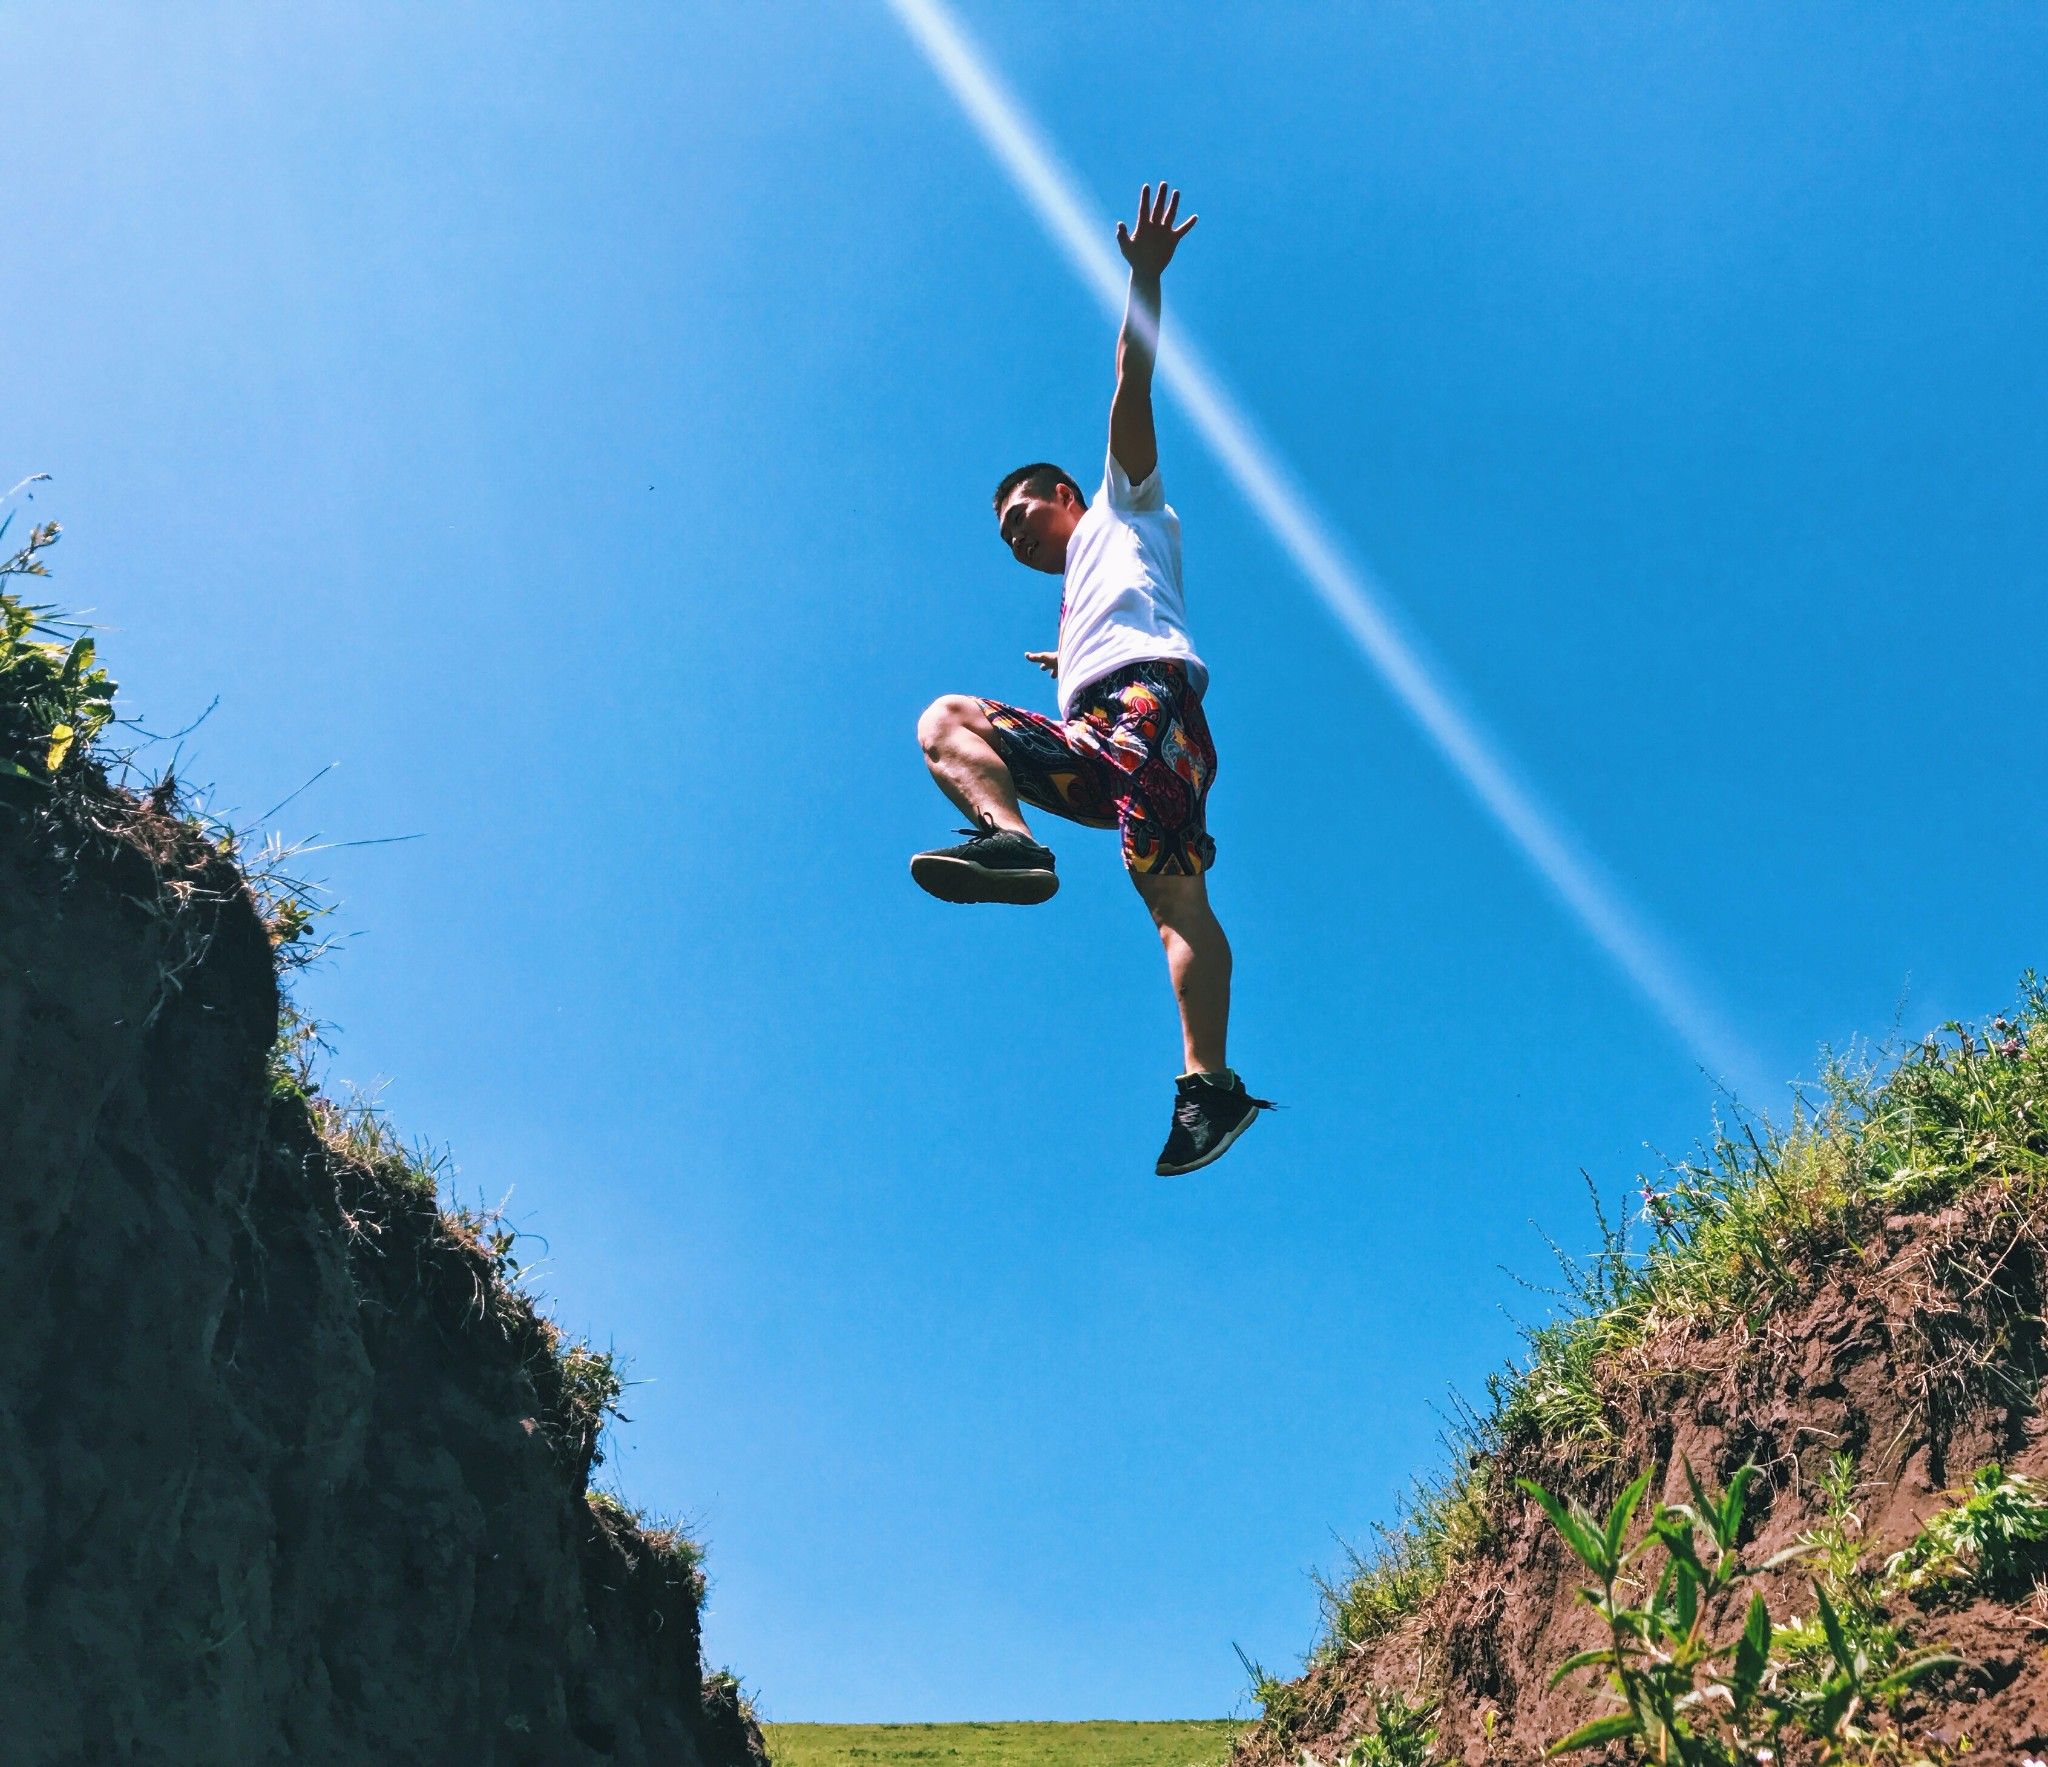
column 1402, row 1735
column 54, row 696
column 1833, row 1550
column 1994, row 1539
column 1685, row 1696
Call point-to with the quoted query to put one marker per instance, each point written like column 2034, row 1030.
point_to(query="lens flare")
column 1345, row 587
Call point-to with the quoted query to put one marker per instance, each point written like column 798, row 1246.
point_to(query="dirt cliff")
column 290, row 1469
column 1854, row 1309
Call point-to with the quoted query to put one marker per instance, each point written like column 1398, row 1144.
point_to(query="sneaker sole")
column 961, row 880
column 1213, row 1155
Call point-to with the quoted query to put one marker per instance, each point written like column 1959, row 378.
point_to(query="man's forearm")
column 1131, row 436
column 1137, row 346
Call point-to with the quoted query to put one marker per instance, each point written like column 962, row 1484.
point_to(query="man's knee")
column 1172, row 896
column 946, row 714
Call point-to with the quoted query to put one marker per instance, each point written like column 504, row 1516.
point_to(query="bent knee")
column 946, row 714
column 1172, row 896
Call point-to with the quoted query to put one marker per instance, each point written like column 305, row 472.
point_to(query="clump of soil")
column 290, row 1471
column 1919, row 1352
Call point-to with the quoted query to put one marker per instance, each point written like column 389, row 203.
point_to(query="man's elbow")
column 1138, row 456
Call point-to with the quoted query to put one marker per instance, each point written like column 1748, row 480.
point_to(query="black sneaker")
column 1207, row 1118
column 991, row 865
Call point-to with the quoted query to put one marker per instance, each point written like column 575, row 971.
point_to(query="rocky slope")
column 290, row 1469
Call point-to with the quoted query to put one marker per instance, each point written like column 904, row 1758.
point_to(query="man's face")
column 1037, row 529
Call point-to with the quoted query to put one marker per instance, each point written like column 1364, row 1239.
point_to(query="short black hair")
column 1039, row 478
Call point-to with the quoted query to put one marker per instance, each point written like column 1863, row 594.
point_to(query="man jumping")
column 1131, row 748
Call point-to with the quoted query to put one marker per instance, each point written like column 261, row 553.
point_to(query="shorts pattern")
column 1136, row 755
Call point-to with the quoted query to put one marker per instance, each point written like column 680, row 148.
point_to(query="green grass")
column 1752, row 1218
column 1195, row 1743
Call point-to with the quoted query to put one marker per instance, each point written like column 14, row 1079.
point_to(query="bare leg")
column 959, row 748
column 1197, row 960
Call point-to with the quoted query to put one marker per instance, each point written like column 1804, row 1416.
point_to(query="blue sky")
column 578, row 423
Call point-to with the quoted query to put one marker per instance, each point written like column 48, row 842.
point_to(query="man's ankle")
column 1224, row 1077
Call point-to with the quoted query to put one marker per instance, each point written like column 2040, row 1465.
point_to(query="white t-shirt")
column 1123, row 601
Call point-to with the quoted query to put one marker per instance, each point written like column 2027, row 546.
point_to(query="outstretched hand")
column 1048, row 660
column 1149, row 248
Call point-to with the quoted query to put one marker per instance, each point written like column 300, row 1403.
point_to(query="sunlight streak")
column 1346, row 588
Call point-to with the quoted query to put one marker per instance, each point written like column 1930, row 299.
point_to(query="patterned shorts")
column 1135, row 755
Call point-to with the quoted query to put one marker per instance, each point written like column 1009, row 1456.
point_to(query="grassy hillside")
column 1203, row 1743
column 1846, row 1313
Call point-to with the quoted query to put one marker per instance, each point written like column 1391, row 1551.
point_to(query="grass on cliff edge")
column 1194, row 1743
column 1733, row 1230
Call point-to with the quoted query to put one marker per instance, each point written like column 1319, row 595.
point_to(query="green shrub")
column 1402, row 1735
column 54, row 696
column 1685, row 1696
column 1834, row 1550
column 1994, row 1539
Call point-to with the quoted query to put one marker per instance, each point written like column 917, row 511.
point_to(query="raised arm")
column 1148, row 249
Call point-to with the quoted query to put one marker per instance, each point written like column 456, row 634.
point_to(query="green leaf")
column 1728, row 1519
column 1624, row 1508
column 1702, row 1504
column 61, row 738
column 1907, row 1673
column 1591, row 1736
column 1578, row 1535
column 1585, row 1659
column 1674, row 1532
column 1831, row 1624
column 1798, row 1550
column 1833, row 1706
column 1751, row 1655
column 77, row 660
column 15, row 770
